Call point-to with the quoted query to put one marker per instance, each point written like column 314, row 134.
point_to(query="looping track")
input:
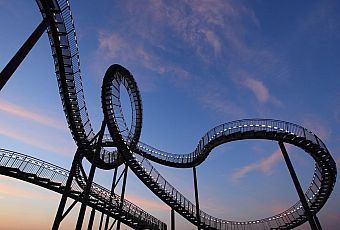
column 64, row 47
column 319, row 190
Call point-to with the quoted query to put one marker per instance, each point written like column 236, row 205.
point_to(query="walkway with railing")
column 137, row 157
column 54, row 178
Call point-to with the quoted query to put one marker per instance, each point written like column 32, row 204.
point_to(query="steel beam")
column 112, row 194
column 93, row 212
column 101, row 221
column 59, row 215
column 196, row 198
column 90, row 179
column 20, row 55
column 172, row 219
column 122, row 193
column 312, row 219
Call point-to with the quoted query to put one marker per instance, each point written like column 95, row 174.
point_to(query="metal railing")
column 229, row 128
column 313, row 194
column 55, row 177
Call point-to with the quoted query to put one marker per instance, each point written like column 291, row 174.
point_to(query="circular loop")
column 116, row 77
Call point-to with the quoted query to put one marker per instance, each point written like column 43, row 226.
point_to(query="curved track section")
column 136, row 156
column 54, row 178
column 64, row 45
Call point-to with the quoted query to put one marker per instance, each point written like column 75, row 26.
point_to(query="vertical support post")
column 101, row 221
column 59, row 216
column 14, row 63
column 90, row 179
column 172, row 219
column 196, row 198
column 93, row 212
column 112, row 194
column 311, row 218
column 123, row 193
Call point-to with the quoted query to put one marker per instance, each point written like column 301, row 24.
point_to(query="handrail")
column 10, row 160
column 136, row 157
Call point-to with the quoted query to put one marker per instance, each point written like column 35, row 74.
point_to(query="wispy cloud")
column 215, row 98
column 30, row 115
column 113, row 48
column 257, row 87
column 35, row 141
column 337, row 160
column 265, row 166
column 9, row 192
column 193, row 23
column 317, row 126
column 147, row 204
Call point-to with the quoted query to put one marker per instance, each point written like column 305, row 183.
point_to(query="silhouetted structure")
column 133, row 154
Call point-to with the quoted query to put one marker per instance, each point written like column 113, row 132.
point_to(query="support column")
column 101, row 221
column 311, row 218
column 13, row 64
column 93, row 212
column 59, row 216
column 172, row 219
column 87, row 189
column 112, row 194
column 122, row 194
column 196, row 199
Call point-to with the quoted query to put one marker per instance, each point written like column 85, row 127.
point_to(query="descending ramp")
column 54, row 178
column 137, row 155
column 64, row 46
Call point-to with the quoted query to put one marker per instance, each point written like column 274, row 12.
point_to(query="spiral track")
column 136, row 154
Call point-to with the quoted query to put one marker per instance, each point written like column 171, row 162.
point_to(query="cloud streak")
column 147, row 204
column 35, row 141
column 320, row 128
column 265, row 166
column 10, row 192
column 26, row 114
column 257, row 87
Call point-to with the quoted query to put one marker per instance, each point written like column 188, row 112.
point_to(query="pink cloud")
column 147, row 204
column 193, row 23
column 215, row 98
column 265, row 166
column 320, row 128
column 113, row 47
column 213, row 40
column 337, row 161
column 8, row 192
column 35, row 141
column 22, row 112
column 258, row 89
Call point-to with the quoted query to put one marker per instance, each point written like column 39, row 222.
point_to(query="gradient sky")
column 197, row 64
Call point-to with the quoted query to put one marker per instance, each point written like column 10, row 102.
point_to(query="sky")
column 197, row 64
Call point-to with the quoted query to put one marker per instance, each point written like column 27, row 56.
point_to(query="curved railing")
column 136, row 157
column 317, row 193
column 54, row 178
column 65, row 52
column 196, row 157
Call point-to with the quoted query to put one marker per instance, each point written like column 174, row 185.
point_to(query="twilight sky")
column 197, row 64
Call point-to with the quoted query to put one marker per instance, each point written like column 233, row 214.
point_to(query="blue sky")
column 197, row 64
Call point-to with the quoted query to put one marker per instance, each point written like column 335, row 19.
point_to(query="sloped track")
column 54, row 178
column 136, row 154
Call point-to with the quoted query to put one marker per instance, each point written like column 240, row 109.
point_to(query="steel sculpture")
column 135, row 155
